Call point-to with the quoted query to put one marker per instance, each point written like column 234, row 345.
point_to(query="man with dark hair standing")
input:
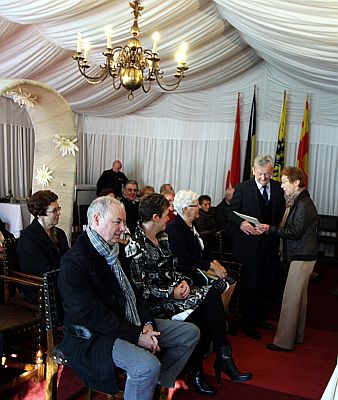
column 113, row 179
column 263, row 198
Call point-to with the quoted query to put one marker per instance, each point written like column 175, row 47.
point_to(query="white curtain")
column 16, row 160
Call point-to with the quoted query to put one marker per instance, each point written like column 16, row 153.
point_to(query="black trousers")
column 211, row 319
column 259, row 275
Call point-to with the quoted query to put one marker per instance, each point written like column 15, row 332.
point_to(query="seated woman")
column 41, row 244
column 186, row 243
column 170, row 294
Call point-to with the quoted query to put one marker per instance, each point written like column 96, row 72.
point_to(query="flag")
column 279, row 157
column 235, row 170
column 303, row 148
column 251, row 142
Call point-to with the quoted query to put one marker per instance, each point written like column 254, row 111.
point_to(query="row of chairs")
column 38, row 328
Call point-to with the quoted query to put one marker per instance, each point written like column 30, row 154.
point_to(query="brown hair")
column 293, row 174
column 39, row 201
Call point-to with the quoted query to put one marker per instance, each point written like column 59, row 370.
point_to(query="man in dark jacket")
column 106, row 323
column 129, row 192
column 113, row 179
column 262, row 198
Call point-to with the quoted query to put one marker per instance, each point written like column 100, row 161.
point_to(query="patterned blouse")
column 153, row 272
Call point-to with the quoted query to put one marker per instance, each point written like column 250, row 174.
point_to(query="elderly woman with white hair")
column 187, row 245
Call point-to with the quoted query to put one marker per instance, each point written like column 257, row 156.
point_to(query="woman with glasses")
column 41, row 244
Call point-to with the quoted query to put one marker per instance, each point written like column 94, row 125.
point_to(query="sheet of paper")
column 253, row 220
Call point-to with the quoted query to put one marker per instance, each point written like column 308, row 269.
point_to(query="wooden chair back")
column 20, row 320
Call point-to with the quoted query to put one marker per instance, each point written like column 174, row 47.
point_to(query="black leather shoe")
column 274, row 347
column 252, row 333
column 266, row 326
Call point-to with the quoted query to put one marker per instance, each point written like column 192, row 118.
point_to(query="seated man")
column 106, row 323
column 130, row 202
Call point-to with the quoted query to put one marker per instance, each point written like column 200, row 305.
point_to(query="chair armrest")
column 37, row 283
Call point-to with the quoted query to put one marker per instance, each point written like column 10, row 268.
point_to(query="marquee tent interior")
column 184, row 137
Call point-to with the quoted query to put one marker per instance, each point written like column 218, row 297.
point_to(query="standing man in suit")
column 263, row 198
column 113, row 179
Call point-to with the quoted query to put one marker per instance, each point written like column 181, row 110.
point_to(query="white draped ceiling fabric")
column 185, row 137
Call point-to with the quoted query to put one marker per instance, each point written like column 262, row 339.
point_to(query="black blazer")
column 37, row 254
column 92, row 297
column 185, row 246
column 246, row 201
column 132, row 213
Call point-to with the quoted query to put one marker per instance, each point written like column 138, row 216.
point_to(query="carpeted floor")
column 299, row 375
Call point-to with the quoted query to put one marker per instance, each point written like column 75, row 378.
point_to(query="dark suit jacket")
column 37, row 254
column 92, row 297
column 111, row 180
column 132, row 213
column 246, row 201
column 185, row 246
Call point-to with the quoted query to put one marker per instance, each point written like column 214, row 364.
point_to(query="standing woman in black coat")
column 298, row 232
column 41, row 244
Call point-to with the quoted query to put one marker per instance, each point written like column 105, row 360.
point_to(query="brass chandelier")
column 131, row 66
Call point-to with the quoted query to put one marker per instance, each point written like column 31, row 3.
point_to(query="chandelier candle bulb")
column 86, row 48
column 109, row 42
column 156, row 38
column 184, row 48
column 79, row 43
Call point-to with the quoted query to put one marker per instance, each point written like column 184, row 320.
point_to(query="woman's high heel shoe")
column 225, row 363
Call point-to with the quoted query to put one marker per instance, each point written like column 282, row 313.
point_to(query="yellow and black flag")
column 280, row 150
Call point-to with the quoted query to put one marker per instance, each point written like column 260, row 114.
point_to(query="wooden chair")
column 19, row 321
column 54, row 320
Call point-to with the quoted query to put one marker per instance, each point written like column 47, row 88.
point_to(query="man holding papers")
column 259, row 200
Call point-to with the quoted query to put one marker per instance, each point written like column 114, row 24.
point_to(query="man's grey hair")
column 130, row 182
column 102, row 205
column 262, row 159
column 183, row 199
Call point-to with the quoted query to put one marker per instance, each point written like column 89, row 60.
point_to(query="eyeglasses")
column 54, row 211
column 132, row 190
column 193, row 205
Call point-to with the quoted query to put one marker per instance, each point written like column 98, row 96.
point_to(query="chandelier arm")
column 93, row 79
column 146, row 89
column 116, row 87
column 168, row 87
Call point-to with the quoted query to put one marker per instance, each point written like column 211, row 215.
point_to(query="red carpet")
column 299, row 375
column 304, row 372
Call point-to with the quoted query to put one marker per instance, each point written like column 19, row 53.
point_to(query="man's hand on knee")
column 148, row 341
